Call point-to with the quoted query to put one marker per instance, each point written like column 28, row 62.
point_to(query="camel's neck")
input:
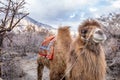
column 94, row 47
column 91, row 46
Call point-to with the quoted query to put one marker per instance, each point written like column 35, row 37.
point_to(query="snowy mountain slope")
column 28, row 22
column 36, row 22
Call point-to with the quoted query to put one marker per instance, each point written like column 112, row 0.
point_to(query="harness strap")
column 47, row 40
column 42, row 54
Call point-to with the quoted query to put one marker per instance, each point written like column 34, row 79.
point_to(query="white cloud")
column 73, row 15
column 48, row 8
column 57, row 11
column 93, row 9
column 97, row 15
column 76, row 3
column 116, row 3
column 82, row 14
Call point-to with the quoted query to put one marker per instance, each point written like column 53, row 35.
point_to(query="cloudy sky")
column 69, row 12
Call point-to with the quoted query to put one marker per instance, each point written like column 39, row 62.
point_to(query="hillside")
column 111, row 26
column 29, row 19
column 33, row 25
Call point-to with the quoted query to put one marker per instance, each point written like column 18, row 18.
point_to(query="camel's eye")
column 84, row 31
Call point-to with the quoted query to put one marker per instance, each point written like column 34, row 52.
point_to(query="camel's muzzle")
column 99, row 36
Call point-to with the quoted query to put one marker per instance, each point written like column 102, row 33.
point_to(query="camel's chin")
column 96, row 40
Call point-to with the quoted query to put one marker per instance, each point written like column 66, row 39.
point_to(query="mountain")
column 37, row 23
column 29, row 22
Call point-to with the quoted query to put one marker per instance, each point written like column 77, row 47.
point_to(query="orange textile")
column 45, row 43
column 47, row 40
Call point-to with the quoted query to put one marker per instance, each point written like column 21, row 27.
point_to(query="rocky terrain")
column 19, row 57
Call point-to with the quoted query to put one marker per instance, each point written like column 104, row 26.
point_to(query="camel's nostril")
column 99, row 32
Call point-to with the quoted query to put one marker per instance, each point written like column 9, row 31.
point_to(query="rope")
column 69, row 69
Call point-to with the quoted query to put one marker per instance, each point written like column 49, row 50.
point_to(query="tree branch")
column 19, row 20
column 10, row 10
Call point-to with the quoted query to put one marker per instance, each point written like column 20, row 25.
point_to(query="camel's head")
column 91, row 30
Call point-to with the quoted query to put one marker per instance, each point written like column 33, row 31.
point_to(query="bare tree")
column 11, row 13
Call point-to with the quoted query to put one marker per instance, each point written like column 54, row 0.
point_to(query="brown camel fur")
column 88, row 55
column 57, row 66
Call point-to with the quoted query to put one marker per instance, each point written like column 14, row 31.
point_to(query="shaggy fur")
column 91, row 64
column 57, row 66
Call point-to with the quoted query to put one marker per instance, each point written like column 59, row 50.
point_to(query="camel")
column 86, row 57
column 57, row 66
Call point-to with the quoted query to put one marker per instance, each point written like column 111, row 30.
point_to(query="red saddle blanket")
column 47, row 48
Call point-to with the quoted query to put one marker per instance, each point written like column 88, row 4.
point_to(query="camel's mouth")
column 99, row 36
column 98, row 40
